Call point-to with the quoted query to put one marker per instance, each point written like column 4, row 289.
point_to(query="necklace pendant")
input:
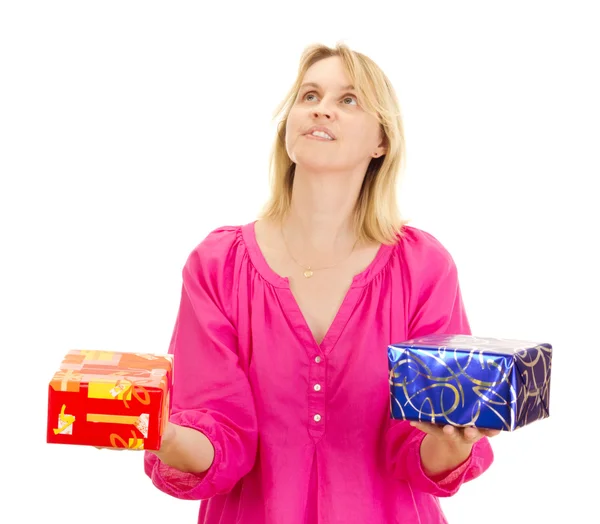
column 308, row 273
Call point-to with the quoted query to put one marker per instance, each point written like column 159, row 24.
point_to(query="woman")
column 281, row 408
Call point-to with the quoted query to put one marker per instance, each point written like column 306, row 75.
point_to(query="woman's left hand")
column 446, row 447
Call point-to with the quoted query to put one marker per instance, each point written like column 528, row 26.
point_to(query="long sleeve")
column 211, row 392
column 437, row 308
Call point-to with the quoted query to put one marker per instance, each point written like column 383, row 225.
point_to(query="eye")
column 308, row 96
column 350, row 100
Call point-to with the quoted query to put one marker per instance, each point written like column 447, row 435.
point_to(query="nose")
column 319, row 113
column 323, row 110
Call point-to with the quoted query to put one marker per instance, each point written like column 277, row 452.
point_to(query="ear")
column 381, row 148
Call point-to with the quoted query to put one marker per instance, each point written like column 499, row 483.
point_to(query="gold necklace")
column 308, row 270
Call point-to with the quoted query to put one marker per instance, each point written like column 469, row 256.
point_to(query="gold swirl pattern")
column 470, row 381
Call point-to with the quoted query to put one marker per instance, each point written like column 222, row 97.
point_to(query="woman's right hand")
column 185, row 449
column 167, row 439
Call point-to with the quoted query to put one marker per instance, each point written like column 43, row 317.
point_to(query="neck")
column 321, row 215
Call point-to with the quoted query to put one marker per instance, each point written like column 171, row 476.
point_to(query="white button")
column 317, row 360
column 317, row 387
column 317, row 417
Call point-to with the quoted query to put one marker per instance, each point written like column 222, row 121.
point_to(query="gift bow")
column 131, row 388
column 65, row 376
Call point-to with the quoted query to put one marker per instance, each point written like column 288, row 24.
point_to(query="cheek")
column 291, row 133
column 289, row 142
column 371, row 136
column 364, row 137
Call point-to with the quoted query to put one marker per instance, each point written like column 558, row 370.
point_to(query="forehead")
column 329, row 72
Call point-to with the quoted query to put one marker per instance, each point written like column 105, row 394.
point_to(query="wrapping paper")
column 110, row 399
column 470, row 381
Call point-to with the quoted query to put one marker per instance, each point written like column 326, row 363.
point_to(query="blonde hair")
column 377, row 217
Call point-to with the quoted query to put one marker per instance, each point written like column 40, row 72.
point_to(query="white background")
column 129, row 130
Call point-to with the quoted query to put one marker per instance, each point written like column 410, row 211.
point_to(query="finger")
column 428, row 427
column 451, row 432
column 446, row 432
column 471, row 434
column 490, row 432
column 460, row 434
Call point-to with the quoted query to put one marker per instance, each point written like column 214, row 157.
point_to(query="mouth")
column 319, row 133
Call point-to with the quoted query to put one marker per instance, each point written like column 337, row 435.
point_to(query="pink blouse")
column 302, row 431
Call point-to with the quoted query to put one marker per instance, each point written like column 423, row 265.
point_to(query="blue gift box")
column 465, row 380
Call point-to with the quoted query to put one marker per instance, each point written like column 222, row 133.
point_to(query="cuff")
column 446, row 483
column 179, row 484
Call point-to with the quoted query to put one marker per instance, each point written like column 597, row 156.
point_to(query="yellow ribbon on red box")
column 67, row 380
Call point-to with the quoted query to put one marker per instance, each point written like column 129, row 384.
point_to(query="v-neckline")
column 290, row 305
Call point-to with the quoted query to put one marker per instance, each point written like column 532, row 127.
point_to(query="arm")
column 185, row 449
column 440, row 459
column 211, row 443
column 428, row 463
column 408, row 456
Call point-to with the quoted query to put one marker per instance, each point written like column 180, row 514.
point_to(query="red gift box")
column 110, row 399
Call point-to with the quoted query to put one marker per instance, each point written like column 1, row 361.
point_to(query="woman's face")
column 327, row 130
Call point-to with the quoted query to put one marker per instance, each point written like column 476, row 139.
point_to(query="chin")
column 316, row 166
column 313, row 158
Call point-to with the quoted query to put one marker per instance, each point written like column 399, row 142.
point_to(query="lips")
column 320, row 132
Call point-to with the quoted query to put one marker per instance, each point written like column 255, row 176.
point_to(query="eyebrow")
column 317, row 86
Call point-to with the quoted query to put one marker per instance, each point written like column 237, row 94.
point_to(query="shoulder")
column 214, row 263
column 212, row 267
column 216, row 250
column 422, row 252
